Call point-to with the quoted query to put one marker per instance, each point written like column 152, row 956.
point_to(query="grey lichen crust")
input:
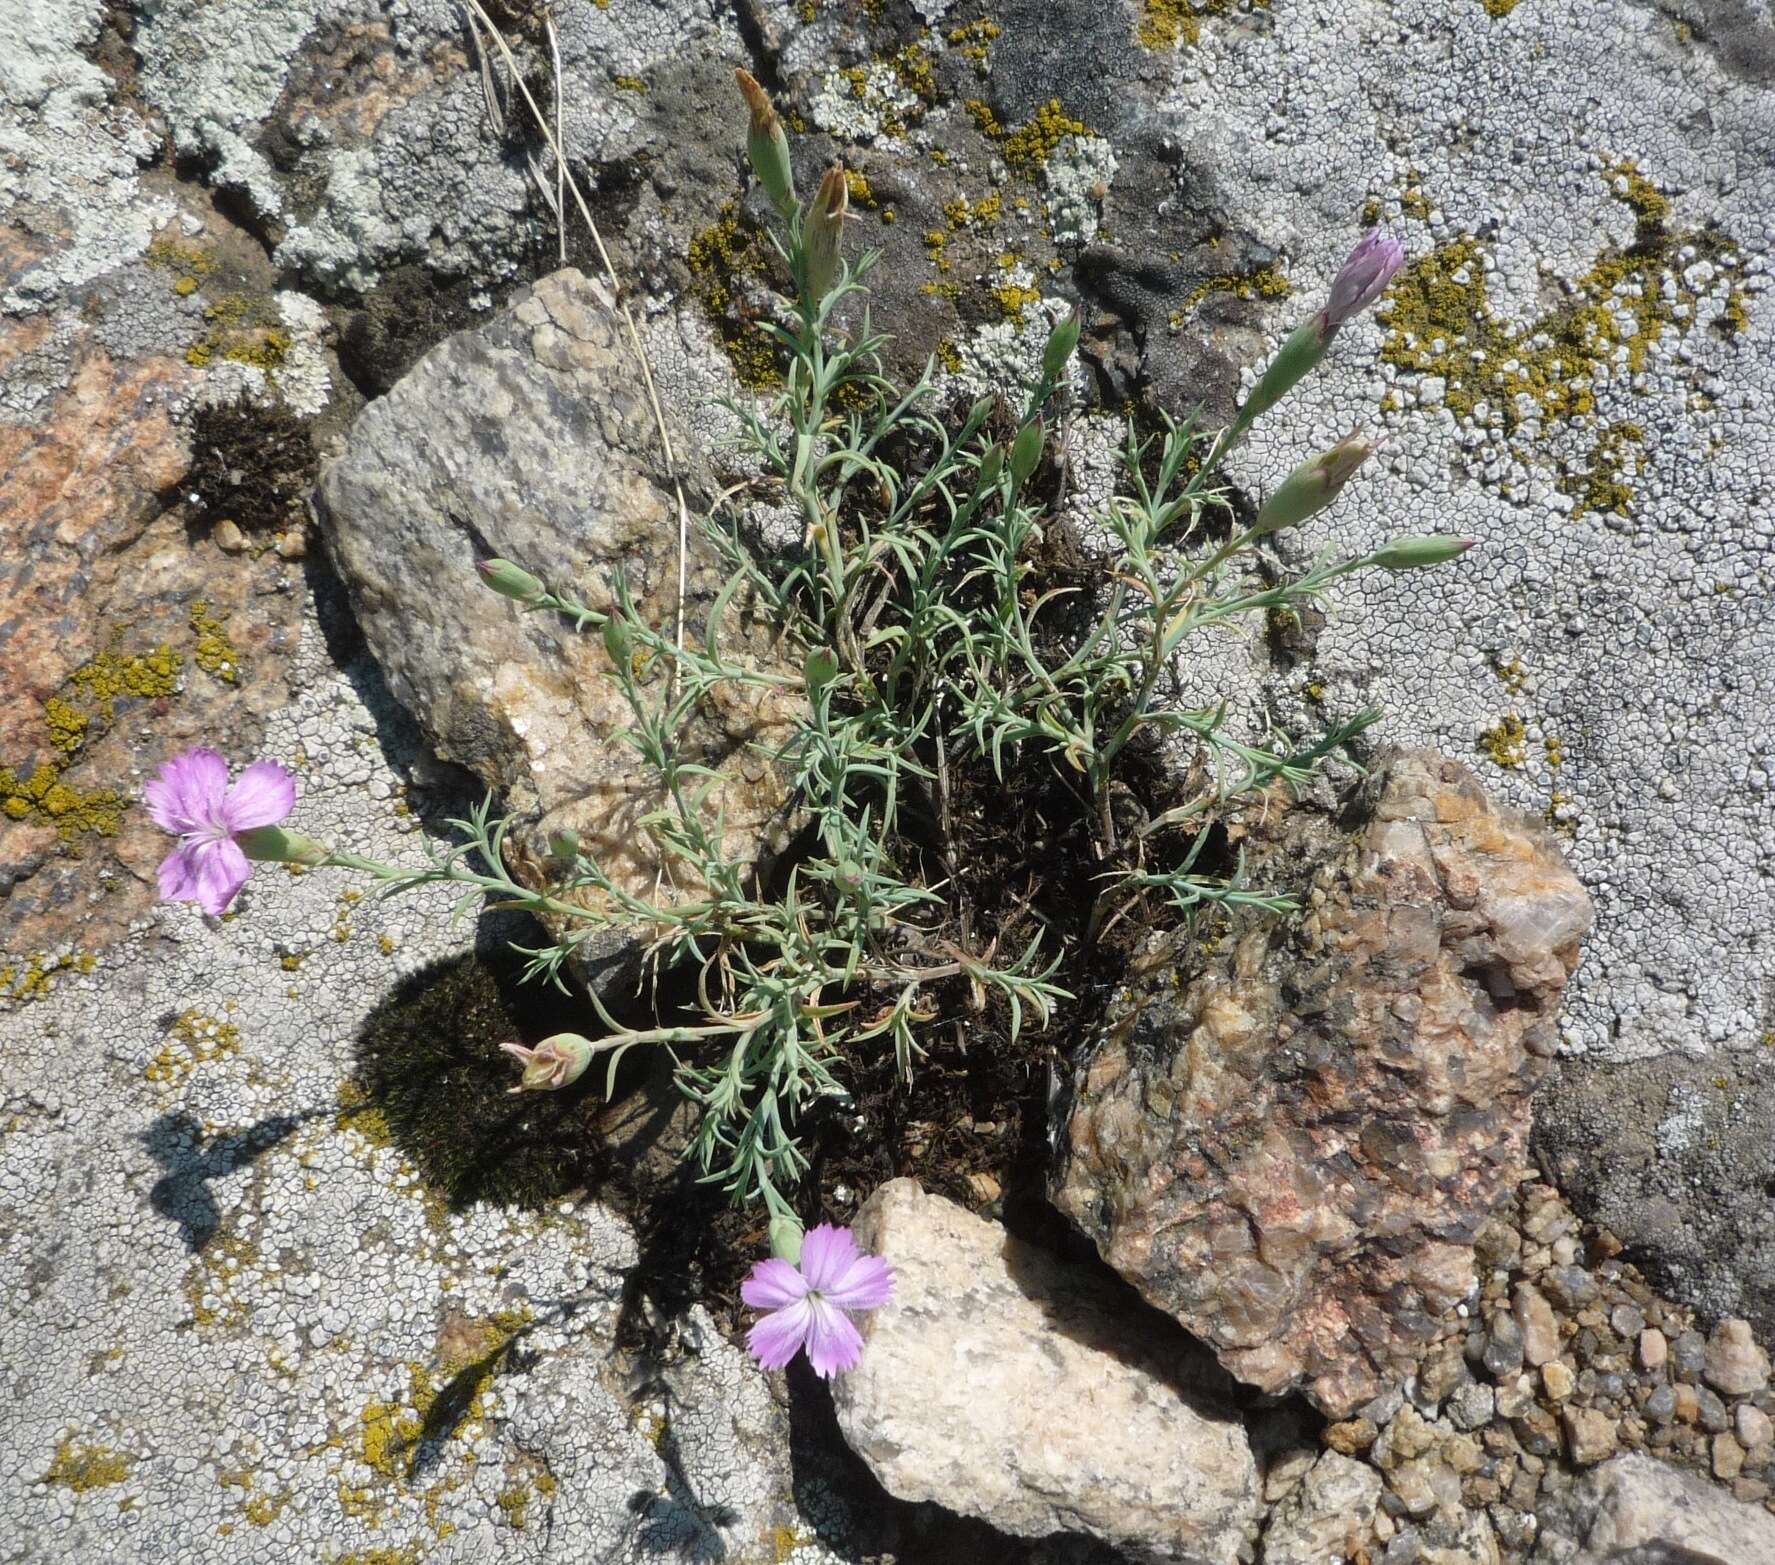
column 240, row 1327
column 1602, row 652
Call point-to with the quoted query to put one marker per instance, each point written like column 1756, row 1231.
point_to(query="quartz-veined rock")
column 532, row 439
column 1001, row 1383
column 1292, row 1145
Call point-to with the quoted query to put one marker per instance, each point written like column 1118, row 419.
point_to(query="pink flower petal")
column 773, row 1284
column 825, row 1253
column 222, row 869
column 265, row 794
column 186, row 793
column 866, row 1284
column 178, row 876
column 833, row 1343
column 777, row 1337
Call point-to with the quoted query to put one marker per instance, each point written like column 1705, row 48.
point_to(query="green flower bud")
column 1026, row 449
column 1410, row 554
column 767, row 146
column 510, row 581
column 991, row 465
column 555, row 1062
column 1063, row 341
column 274, row 845
column 822, row 232
column 564, row 844
column 1313, row 485
column 785, row 1239
column 617, row 642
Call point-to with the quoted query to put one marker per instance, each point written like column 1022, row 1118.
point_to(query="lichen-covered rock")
column 531, row 439
column 1003, row 1384
column 1292, row 1147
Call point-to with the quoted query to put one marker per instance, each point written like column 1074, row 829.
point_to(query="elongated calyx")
column 1313, row 485
column 1062, row 342
column 1410, row 554
column 767, row 146
column 822, row 231
column 510, row 581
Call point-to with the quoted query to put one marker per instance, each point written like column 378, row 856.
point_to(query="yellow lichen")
column 1604, row 485
column 1165, row 24
column 972, row 40
column 1439, row 319
column 1267, row 282
column 628, row 83
column 214, row 652
column 113, row 674
column 194, row 1039
column 359, row 1115
column 1029, row 146
column 1499, row 8
column 721, row 258
column 1506, row 742
column 180, row 255
column 82, row 1467
column 66, row 724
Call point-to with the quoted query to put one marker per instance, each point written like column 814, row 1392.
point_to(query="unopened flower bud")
column 785, row 1239
column 510, row 581
column 564, row 844
column 1362, row 279
column 1062, row 342
column 274, row 845
column 1313, row 485
column 555, row 1062
column 1026, row 449
column 617, row 642
column 991, row 465
column 1409, row 554
column 823, row 231
column 767, row 146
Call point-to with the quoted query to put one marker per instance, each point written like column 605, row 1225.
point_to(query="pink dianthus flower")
column 190, row 797
column 807, row 1303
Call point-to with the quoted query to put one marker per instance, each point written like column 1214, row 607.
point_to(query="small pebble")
column 1626, row 1320
column 1728, row 1457
column 1753, row 1425
column 1590, row 1435
column 1653, row 1349
column 1557, row 1380
column 1732, row 1362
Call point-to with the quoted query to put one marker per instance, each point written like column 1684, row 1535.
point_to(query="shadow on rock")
column 429, row 1077
column 678, row 1525
column 176, row 1142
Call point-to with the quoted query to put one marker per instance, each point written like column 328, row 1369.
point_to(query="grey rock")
column 1471, row 1406
column 1503, row 1346
column 1003, row 1384
column 530, row 439
column 1242, row 1144
column 1636, row 1510
column 1329, row 1515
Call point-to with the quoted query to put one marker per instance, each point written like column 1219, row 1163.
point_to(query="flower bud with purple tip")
column 1313, row 485
column 1362, row 279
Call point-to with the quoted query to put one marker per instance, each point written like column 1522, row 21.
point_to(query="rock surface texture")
column 1003, row 1383
column 1293, row 1149
column 531, row 439
column 1637, row 1511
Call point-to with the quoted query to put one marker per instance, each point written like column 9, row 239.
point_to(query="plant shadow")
column 182, row 1194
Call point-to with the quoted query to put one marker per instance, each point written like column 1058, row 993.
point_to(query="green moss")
column 83, row 1467
column 1506, row 742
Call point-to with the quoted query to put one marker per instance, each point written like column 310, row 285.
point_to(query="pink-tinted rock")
column 1291, row 1139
